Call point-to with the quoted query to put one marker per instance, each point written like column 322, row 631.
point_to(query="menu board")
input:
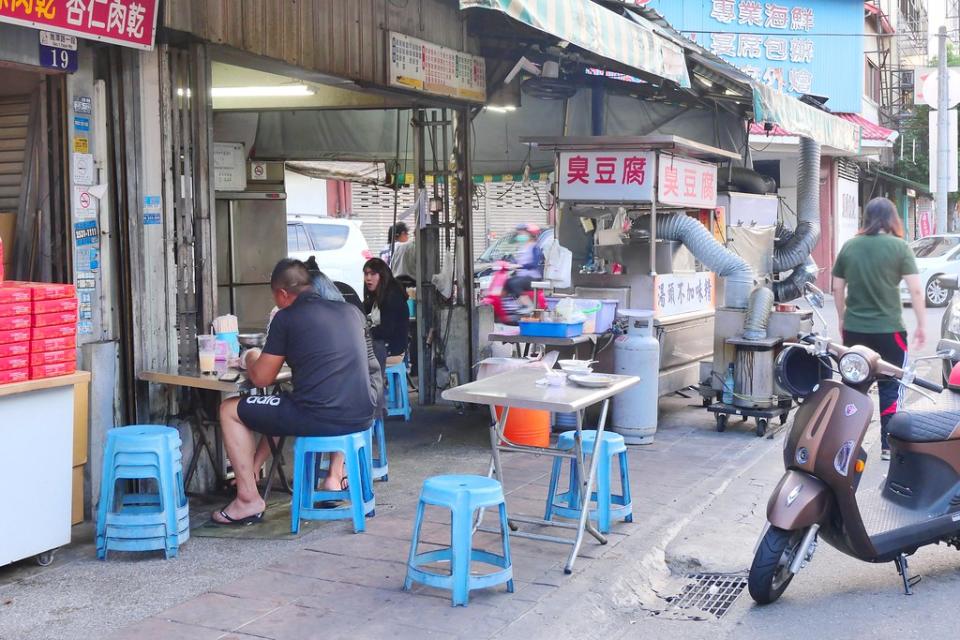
column 427, row 67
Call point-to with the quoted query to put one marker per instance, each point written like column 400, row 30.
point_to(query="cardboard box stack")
column 38, row 330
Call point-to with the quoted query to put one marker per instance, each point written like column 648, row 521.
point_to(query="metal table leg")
column 276, row 466
column 586, row 484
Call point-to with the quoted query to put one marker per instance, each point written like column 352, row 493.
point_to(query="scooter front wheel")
column 770, row 572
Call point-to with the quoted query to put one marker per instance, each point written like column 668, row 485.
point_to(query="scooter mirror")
column 949, row 345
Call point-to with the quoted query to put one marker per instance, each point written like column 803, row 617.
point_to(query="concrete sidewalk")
column 331, row 580
column 351, row 584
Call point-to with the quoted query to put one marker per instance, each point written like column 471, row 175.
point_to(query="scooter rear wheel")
column 770, row 572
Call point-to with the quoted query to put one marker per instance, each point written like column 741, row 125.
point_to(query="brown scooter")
column 919, row 502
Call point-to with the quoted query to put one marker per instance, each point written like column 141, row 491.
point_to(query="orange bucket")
column 527, row 426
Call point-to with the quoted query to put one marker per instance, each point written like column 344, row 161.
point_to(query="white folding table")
column 518, row 388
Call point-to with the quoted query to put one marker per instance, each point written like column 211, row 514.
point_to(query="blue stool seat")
column 463, row 495
column 398, row 398
column 142, row 505
column 608, row 505
column 380, row 466
column 358, row 460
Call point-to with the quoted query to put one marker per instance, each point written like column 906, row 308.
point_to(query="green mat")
column 274, row 526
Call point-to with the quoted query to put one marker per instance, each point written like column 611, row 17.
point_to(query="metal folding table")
column 522, row 344
column 518, row 388
column 197, row 382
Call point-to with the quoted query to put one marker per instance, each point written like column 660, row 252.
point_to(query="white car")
column 936, row 256
column 338, row 244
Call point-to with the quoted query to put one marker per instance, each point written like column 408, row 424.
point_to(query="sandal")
column 236, row 522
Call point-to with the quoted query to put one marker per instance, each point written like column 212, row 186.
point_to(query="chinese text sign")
column 606, row 176
column 795, row 46
column 687, row 183
column 130, row 23
column 676, row 293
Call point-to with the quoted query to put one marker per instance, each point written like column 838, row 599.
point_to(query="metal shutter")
column 14, row 117
column 498, row 207
column 848, row 169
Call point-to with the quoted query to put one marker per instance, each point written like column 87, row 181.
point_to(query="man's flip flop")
column 237, row 522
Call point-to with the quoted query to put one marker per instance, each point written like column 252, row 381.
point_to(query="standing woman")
column 866, row 279
column 385, row 302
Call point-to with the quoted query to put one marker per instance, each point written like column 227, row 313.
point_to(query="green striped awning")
column 769, row 105
column 589, row 26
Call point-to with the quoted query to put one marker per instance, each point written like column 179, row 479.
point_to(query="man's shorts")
column 279, row 415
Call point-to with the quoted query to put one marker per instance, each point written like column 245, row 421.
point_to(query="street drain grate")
column 712, row 593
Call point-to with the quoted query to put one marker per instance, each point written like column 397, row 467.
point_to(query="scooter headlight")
column 854, row 368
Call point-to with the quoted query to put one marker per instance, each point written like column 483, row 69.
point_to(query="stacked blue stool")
column 380, row 466
column 463, row 495
column 609, row 506
column 307, row 452
column 398, row 398
column 134, row 519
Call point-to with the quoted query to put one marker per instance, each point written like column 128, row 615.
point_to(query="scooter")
column 506, row 308
column 918, row 504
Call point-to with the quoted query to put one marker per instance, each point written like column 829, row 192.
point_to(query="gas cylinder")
column 637, row 353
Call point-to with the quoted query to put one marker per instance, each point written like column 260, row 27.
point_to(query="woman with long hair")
column 866, row 288
column 385, row 302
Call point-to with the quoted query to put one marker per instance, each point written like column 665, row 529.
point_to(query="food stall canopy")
column 361, row 172
column 632, row 42
column 371, row 135
column 774, row 107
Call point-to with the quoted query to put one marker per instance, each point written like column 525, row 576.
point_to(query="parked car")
column 502, row 250
column 337, row 243
column 936, row 256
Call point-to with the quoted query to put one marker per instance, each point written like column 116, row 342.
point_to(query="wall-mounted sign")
column 81, row 123
column 152, row 210
column 84, row 204
column 790, row 46
column 81, row 144
column 686, row 183
column 82, row 104
column 130, row 23
column 83, row 169
column 676, row 293
column 258, row 170
column 58, row 51
column 427, row 67
column 229, row 166
column 847, row 208
column 606, row 176
column 86, row 233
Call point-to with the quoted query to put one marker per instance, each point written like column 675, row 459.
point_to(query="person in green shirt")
column 866, row 278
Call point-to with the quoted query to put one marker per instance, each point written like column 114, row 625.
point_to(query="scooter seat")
column 925, row 426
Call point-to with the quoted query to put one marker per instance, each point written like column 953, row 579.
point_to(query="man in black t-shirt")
column 333, row 394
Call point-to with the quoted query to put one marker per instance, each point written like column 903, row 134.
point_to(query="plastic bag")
column 558, row 264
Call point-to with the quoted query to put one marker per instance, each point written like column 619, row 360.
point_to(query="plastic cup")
column 208, row 353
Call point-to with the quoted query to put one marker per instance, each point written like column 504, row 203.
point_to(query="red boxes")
column 14, row 362
column 59, row 318
column 15, row 322
column 51, row 370
column 38, row 330
column 15, row 336
column 14, row 375
column 15, row 349
column 14, row 293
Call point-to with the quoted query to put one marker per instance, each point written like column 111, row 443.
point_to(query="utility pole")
column 943, row 132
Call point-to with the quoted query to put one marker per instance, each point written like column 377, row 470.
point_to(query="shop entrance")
column 34, row 217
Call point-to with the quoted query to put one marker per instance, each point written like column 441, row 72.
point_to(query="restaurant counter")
column 44, row 435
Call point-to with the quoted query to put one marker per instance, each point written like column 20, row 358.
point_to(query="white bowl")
column 575, row 366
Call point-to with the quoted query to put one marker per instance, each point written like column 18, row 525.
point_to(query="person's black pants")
column 517, row 286
column 892, row 347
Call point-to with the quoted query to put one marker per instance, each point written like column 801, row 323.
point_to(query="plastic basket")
column 551, row 329
column 599, row 314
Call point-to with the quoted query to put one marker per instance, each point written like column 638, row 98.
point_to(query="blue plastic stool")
column 138, row 520
column 306, row 459
column 609, row 506
column 463, row 495
column 398, row 399
column 380, row 466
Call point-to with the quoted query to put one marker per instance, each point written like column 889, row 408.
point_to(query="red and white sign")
column 925, row 217
column 130, row 23
column 686, row 183
column 607, row 176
